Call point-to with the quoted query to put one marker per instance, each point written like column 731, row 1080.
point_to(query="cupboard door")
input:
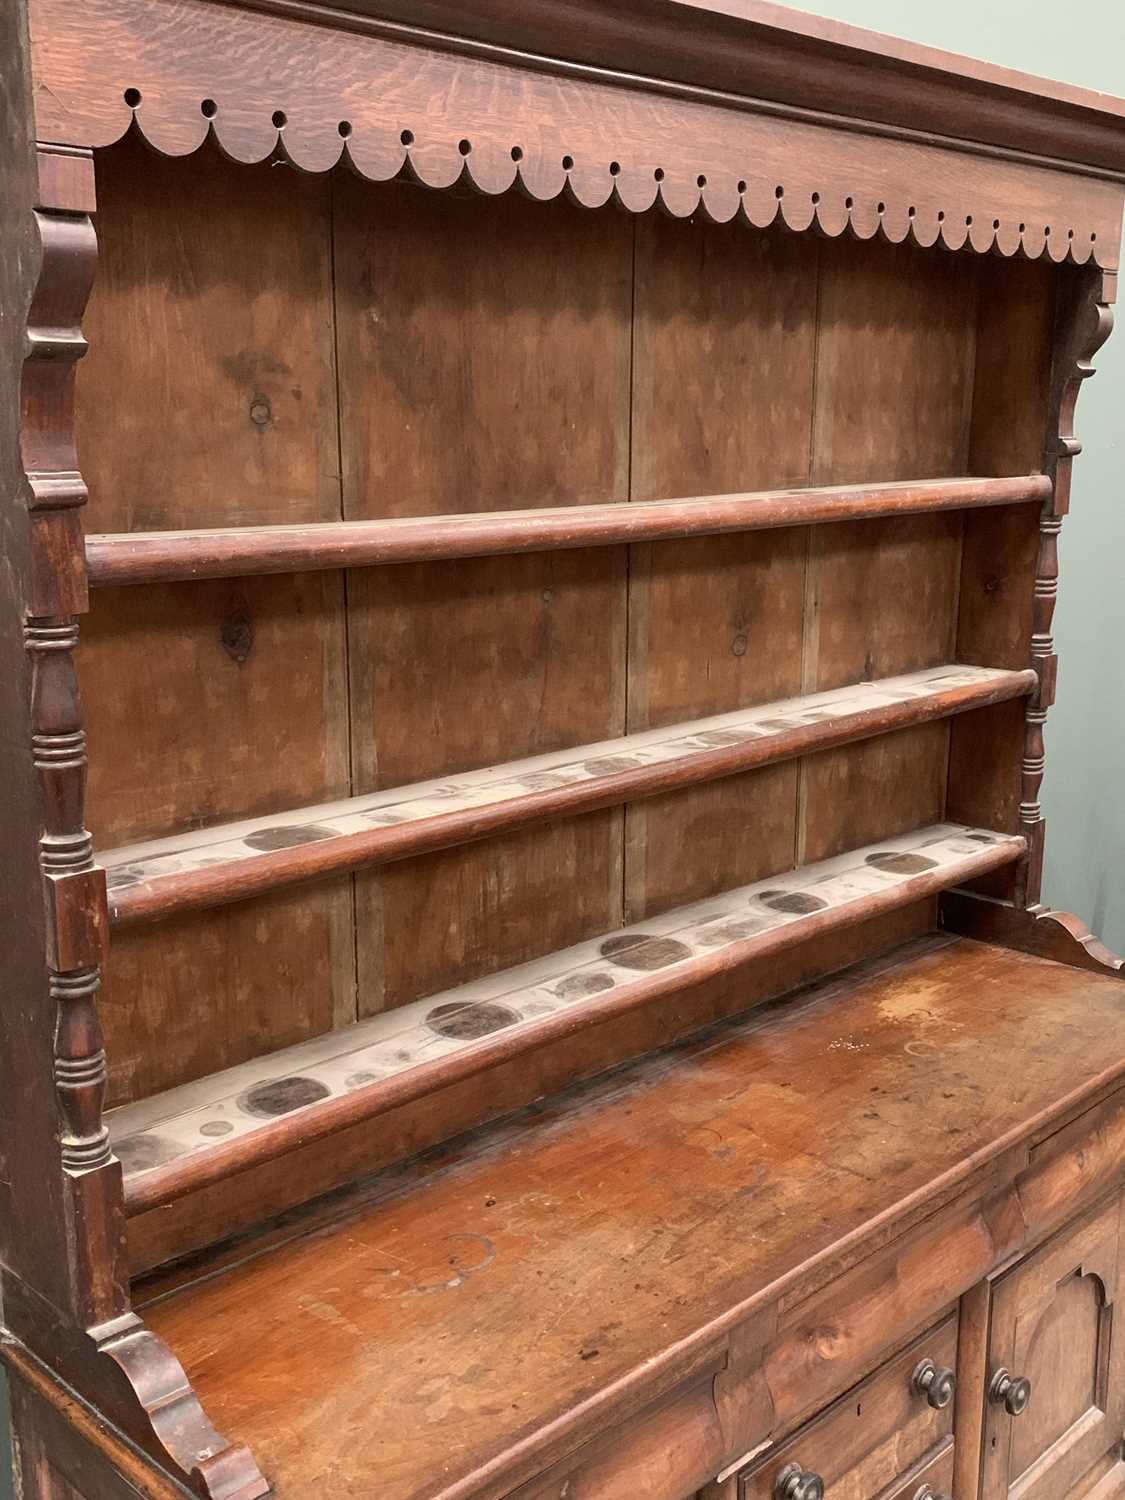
column 1056, row 1375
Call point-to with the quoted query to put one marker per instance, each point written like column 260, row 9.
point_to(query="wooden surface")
column 234, row 861
column 179, row 1141
column 608, row 1225
column 1054, row 1323
column 871, row 1439
column 555, row 129
column 236, row 552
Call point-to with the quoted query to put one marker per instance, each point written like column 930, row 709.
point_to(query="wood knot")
column 237, row 636
column 261, row 412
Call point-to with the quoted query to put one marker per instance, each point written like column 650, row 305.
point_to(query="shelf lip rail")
column 902, row 875
column 229, row 552
column 236, row 861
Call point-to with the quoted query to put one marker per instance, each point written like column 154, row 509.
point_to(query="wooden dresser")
column 524, row 970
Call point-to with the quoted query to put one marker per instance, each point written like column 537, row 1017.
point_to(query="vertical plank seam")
column 965, row 461
column 344, row 592
column 623, row 829
column 808, row 591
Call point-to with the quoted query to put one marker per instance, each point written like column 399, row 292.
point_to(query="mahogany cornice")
column 316, row 84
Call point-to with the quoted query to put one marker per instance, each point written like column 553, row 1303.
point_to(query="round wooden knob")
column 1013, row 1392
column 795, row 1483
column 924, row 1492
column 935, row 1382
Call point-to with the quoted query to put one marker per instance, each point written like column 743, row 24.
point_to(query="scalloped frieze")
column 263, row 83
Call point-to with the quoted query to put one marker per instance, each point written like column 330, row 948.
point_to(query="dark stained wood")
column 213, row 298
column 484, row 352
column 720, row 326
column 31, row 1185
column 227, row 698
column 646, row 1184
column 169, row 556
column 688, row 1257
column 1057, row 935
column 569, row 130
column 894, row 382
column 181, row 1001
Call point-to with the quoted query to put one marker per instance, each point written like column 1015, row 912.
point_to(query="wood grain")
column 895, row 353
column 564, row 129
column 646, row 1184
column 722, row 325
column 484, row 359
column 226, row 552
column 229, row 696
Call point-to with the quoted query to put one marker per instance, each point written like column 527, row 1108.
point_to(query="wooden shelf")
column 177, row 1142
column 233, row 861
column 168, row 556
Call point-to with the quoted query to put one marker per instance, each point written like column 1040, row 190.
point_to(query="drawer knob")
column 795, row 1483
column 936, row 1383
column 924, row 1492
column 1011, row 1391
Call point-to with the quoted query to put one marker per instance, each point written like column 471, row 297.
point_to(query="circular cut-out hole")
column 407, row 137
column 1047, row 232
column 568, row 163
column 1093, row 237
column 849, row 203
column 464, row 147
column 941, row 215
column 911, row 212
column 968, row 218
column 659, row 174
column 996, row 223
column 741, row 188
column 1022, row 227
column 701, row 181
column 1070, row 234
column 208, row 109
column 132, row 97
column 517, row 153
column 345, row 128
column 816, row 197
column 280, row 119
column 881, row 208
column 779, row 192
column 614, row 168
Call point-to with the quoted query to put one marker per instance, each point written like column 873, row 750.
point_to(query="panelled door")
column 1056, row 1375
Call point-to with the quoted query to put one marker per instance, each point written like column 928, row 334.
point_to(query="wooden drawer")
column 883, row 1433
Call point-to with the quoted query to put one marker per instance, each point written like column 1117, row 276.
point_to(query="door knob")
column 935, row 1382
column 924, row 1492
column 795, row 1483
column 1013, row 1392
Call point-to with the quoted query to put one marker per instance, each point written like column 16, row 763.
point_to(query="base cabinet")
column 1040, row 1395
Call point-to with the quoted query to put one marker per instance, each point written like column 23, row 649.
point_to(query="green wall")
column 1081, row 43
